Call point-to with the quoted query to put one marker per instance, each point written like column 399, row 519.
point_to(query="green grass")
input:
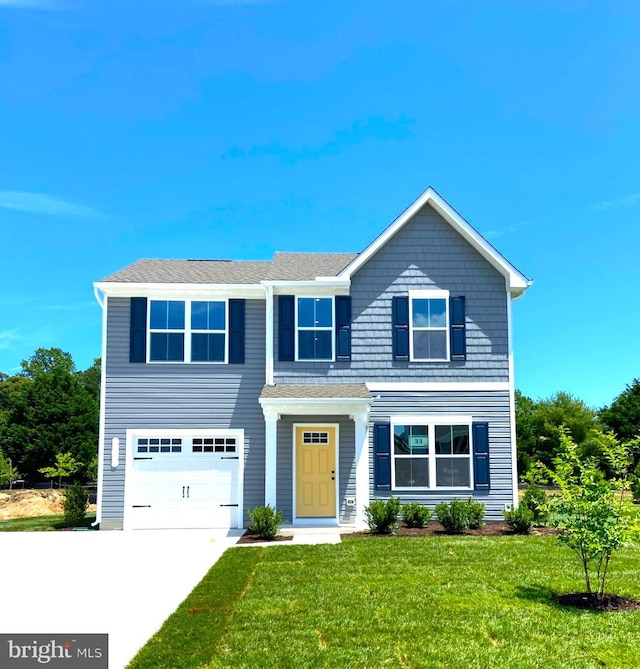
column 40, row 523
column 467, row 602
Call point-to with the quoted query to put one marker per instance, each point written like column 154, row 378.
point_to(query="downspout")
column 512, row 400
column 268, row 372
column 102, row 301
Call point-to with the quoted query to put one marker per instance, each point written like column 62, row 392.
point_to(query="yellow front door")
column 315, row 471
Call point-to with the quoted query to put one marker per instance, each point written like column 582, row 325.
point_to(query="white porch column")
column 361, row 420
column 270, row 456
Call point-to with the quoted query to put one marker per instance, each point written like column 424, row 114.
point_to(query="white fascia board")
column 374, row 386
column 518, row 281
column 318, row 406
column 180, row 290
column 325, row 286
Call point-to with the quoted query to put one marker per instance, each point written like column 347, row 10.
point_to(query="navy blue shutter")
column 382, row 455
column 236, row 332
column 343, row 327
column 457, row 333
column 400, row 313
column 481, row 456
column 286, row 327
column 138, row 330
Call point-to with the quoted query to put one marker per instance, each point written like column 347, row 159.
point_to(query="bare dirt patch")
column 33, row 503
column 251, row 537
column 585, row 600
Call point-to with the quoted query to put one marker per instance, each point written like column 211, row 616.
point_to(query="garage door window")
column 159, row 445
column 214, row 445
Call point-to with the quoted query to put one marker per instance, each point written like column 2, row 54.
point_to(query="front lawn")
column 467, row 602
column 41, row 523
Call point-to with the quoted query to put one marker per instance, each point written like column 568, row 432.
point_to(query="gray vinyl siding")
column 346, row 464
column 425, row 254
column 489, row 406
column 182, row 396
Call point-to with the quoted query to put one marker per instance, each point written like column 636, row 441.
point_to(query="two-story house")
column 311, row 382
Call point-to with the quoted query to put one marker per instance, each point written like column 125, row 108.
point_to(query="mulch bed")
column 584, row 600
column 251, row 537
column 434, row 528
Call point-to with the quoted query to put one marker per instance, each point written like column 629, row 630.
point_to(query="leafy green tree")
column 65, row 466
column 540, row 426
column 76, row 501
column 8, row 472
column 623, row 415
column 589, row 511
column 49, row 408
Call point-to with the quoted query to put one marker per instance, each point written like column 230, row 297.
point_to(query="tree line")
column 49, row 413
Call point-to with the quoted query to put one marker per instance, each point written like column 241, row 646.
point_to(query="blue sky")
column 236, row 128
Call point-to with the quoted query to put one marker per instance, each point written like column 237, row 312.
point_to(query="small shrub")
column 475, row 513
column 382, row 516
column 265, row 521
column 520, row 520
column 415, row 514
column 535, row 499
column 76, row 501
column 460, row 515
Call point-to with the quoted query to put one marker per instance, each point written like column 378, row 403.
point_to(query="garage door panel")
column 190, row 489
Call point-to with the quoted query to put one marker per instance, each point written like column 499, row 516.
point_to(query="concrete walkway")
column 124, row 584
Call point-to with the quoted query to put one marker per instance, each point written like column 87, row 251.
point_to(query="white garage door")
column 183, row 482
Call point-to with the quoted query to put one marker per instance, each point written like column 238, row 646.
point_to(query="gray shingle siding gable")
column 182, row 396
column 425, row 253
column 489, row 406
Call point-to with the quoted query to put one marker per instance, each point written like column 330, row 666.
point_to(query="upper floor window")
column 208, row 331
column 314, row 328
column 167, row 330
column 194, row 331
column 429, row 323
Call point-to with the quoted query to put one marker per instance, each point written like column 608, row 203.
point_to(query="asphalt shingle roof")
column 284, row 267
column 289, row 391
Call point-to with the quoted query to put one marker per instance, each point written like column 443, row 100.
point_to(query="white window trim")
column 187, row 331
column 431, row 422
column 332, row 329
column 429, row 295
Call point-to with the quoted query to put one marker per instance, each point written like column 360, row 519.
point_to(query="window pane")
column 216, row 316
column 158, row 346
column 452, row 473
column 401, row 439
column 438, row 313
column 420, row 313
column 443, row 439
column 306, row 341
column 199, row 315
column 175, row 315
column 306, row 318
column 412, row 473
column 158, row 317
column 207, row 347
column 323, row 344
column 428, row 345
column 175, row 346
column 324, row 312
column 460, row 439
column 419, row 440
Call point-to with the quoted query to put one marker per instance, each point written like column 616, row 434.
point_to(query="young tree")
column 65, row 466
column 8, row 472
column 590, row 513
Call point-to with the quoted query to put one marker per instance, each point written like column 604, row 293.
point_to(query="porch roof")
column 316, row 391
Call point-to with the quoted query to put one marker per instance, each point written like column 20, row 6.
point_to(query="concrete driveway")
column 124, row 584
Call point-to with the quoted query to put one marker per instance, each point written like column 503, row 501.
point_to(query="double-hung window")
column 314, row 328
column 188, row 331
column 432, row 454
column 429, row 322
column 208, row 331
column 167, row 330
